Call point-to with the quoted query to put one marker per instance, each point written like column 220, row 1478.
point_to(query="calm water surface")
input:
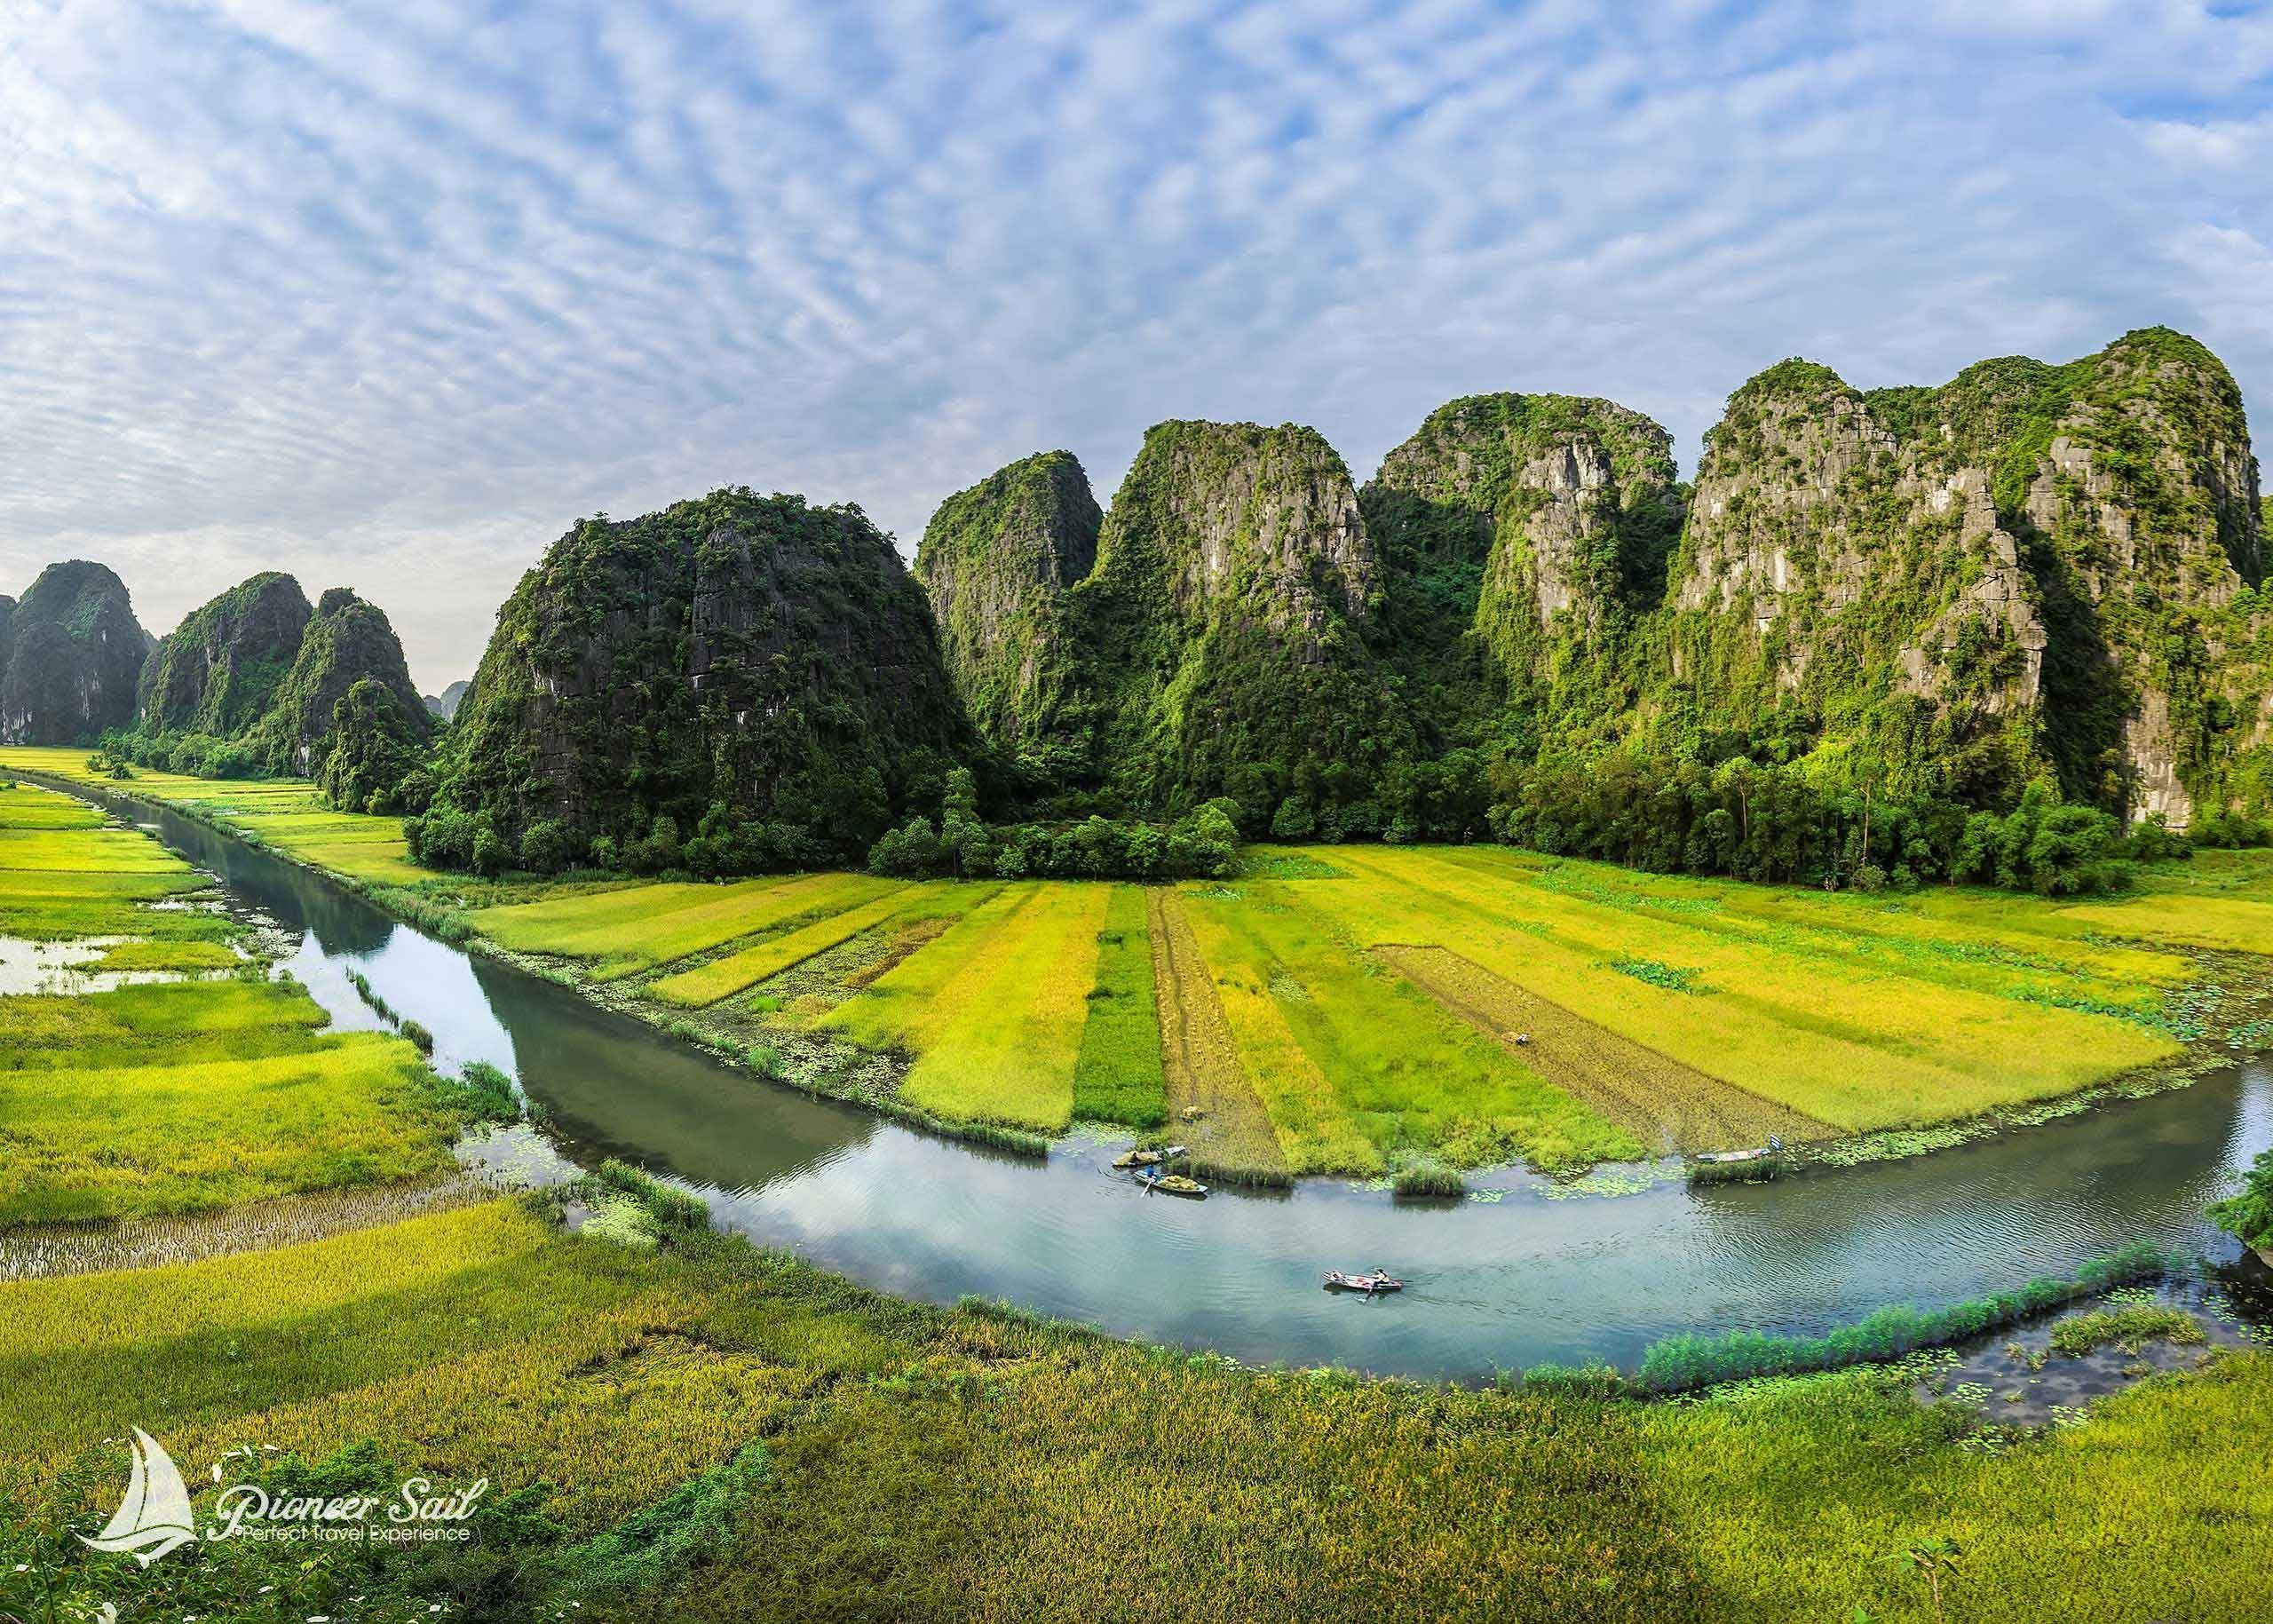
column 1528, row 1278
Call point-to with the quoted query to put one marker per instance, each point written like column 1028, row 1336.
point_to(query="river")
column 1530, row 1276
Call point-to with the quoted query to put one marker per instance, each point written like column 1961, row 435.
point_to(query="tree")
column 367, row 753
column 1293, row 820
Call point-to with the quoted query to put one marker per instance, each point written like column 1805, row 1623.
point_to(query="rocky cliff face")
column 1222, row 633
column 218, row 672
column 997, row 562
column 751, row 652
column 443, row 706
column 74, row 652
column 2030, row 568
column 2131, row 477
column 1522, row 536
column 347, row 641
column 1841, row 583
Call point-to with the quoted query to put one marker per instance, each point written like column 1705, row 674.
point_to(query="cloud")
column 388, row 294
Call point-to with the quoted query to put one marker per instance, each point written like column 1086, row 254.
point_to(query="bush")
column 908, row 851
column 671, row 1208
column 2228, row 830
column 1425, row 1180
column 2248, row 1217
column 489, row 1093
column 549, row 846
column 1293, row 820
column 491, row 854
column 442, row 838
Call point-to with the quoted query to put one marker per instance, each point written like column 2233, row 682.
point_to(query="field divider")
column 746, row 967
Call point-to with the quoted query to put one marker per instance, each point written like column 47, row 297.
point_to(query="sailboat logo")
column 155, row 1517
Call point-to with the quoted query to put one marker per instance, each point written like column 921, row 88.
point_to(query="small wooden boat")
column 1172, row 1183
column 1335, row 1280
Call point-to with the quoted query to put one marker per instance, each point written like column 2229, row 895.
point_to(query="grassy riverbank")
column 819, row 1453
column 1358, row 1008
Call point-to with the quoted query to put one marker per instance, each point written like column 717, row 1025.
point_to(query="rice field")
column 1825, row 1021
column 1211, row 1097
column 1356, row 1010
column 1369, row 1008
column 627, row 930
column 283, row 813
column 1118, row 1076
column 179, row 1096
column 888, row 1459
column 193, row 1134
column 997, row 1033
column 746, row 967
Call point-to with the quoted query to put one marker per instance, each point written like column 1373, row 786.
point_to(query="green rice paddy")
column 1352, row 1010
column 1031, row 1004
column 181, row 1095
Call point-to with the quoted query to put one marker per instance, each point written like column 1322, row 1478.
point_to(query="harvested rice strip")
column 251, row 1226
column 806, row 992
column 1228, row 1127
column 709, row 983
column 1667, row 1105
column 1315, row 1129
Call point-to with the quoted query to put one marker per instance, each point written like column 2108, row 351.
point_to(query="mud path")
column 1197, row 1055
column 1669, row 1106
column 45, row 1251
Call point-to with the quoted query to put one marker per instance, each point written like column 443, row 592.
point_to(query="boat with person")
column 1171, row 1184
column 1378, row 1281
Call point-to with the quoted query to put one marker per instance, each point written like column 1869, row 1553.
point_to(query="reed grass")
column 1681, row 1363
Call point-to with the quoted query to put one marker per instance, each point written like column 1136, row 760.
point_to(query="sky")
column 389, row 294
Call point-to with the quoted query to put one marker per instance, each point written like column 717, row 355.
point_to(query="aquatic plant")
column 1425, row 1179
column 2129, row 1327
column 1690, row 1360
column 2248, row 1216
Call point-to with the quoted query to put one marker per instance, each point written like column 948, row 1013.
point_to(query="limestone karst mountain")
column 71, row 653
column 2033, row 574
column 755, row 654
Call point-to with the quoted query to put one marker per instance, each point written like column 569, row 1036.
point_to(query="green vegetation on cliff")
column 349, row 642
column 996, row 561
column 218, row 672
column 254, row 683
column 71, row 653
column 737, row 683
column 1521, row 536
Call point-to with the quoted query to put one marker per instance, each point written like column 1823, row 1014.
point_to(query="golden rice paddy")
column 1354, row 1012
column 976, row 1465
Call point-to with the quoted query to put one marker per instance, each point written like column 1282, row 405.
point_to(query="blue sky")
column 389, row 294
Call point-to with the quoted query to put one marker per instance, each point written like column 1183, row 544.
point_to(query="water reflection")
column 1526, row 1279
